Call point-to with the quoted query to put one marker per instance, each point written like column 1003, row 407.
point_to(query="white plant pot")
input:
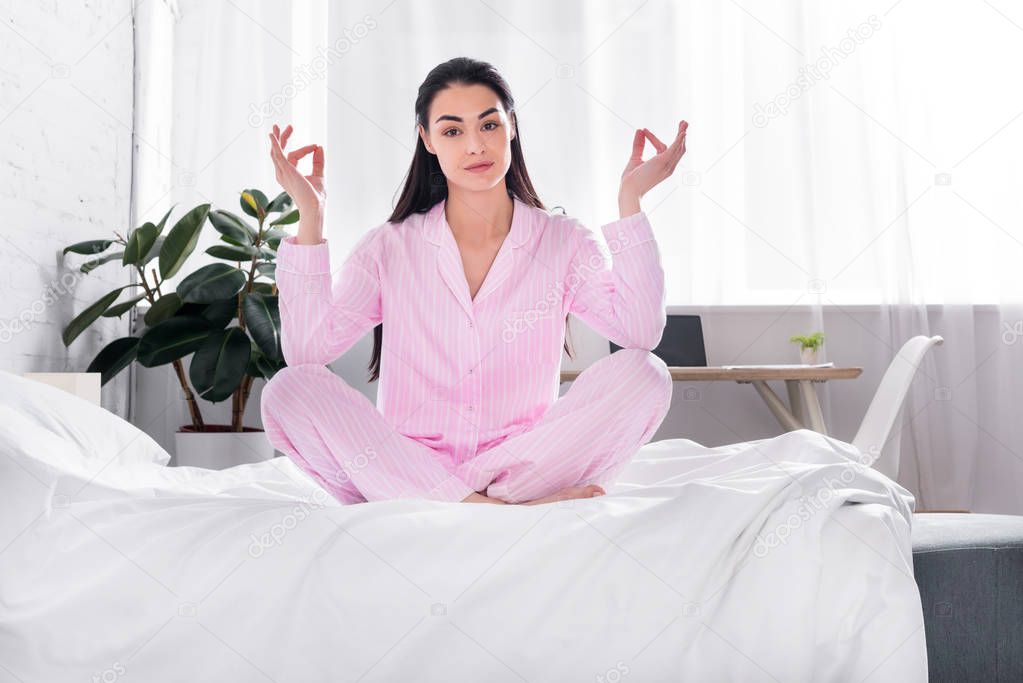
column 808, row 356
column 219, row 450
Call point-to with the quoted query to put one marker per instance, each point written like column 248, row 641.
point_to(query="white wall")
column 65, row 177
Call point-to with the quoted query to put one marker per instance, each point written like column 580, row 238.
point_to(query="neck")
column 479, row 217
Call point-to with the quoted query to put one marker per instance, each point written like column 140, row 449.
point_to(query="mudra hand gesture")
column 639, row 176
column 305, row 190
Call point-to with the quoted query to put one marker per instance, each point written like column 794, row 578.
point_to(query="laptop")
column 682, row 342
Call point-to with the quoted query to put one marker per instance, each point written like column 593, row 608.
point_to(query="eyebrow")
column 449, row 117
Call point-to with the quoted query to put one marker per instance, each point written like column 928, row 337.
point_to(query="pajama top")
column 462, row 374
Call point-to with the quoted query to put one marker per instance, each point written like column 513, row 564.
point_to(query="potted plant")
column 224, row 316
column 808, row 347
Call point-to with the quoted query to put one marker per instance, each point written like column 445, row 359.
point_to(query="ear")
column 425, row 138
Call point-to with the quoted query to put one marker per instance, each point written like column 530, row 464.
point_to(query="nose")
column 473, row 143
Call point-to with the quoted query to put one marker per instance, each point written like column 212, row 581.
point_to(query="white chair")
column 874, row 436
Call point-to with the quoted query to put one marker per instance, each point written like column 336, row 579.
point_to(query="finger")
column 277, row 137
column 280, row 162
column 683, row 128
column 275, row 148
column 675, row 150
column 295, row 156
column 275, row 156
column 287, row 134
column 677, row 157
column 318, row 161
column 638, row 143
column 658, row 145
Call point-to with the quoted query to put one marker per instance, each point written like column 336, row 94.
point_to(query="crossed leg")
column 587, row 436
column 337, row 436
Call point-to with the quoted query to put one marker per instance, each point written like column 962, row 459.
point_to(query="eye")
column 495, row 125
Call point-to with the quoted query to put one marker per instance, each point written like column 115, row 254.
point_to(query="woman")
column 475, row 279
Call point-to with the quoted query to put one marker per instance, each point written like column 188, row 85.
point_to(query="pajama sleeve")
column 618, row 289
column 323, row 315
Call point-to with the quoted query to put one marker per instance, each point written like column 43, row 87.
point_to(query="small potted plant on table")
column 808, row 347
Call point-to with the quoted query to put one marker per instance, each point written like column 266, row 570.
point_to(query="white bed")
column 780, row 559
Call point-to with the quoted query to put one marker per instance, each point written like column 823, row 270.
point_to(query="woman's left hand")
column 639, row 176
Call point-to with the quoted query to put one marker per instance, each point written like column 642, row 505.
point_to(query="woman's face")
column 468, row 126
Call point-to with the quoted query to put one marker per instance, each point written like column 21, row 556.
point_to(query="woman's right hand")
column 305, row 190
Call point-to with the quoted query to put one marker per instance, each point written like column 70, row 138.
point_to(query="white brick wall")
column 65, row 176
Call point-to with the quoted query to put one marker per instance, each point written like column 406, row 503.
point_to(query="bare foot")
column 569, row 493
column 480, row 498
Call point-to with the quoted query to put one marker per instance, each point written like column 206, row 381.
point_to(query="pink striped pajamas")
column 468, row 389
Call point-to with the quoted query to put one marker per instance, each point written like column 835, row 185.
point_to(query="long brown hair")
column 425, row 183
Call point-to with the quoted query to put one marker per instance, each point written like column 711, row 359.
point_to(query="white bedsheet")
column 781, row 559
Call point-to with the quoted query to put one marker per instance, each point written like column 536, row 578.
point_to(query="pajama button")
column 470, row 323
column 469, row 407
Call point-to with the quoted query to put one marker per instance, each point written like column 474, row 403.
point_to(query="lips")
column 480, row 167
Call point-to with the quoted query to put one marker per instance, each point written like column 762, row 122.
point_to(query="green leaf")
column 89, row 247
column 89, row 266
column 268, row 368
column 192, row 309
column 90, row 314
column 181, row 240
column 272, row 238
column 220, row 313
column 140, row 241
column 260, row 199
column 281, row 202
column 253, row 368
column 118, row 310
column 263, row 321
column 154, row 250
column 263, row 288
column 287, row 218
column 163, row 221
column 267, row 270
column 166, row 306
column 254, row 203
column 232, row 253
column 212, row 283
column 171, row 339
column 113, row 358
column 233, row 229
column 218, row 366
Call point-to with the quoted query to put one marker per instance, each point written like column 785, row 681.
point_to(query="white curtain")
column 841, row 156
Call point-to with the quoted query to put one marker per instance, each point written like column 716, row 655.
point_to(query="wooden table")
column 804, row 409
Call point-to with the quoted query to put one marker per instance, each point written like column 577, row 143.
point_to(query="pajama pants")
column 337, row 436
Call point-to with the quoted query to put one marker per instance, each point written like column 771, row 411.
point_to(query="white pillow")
column 97, row 432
